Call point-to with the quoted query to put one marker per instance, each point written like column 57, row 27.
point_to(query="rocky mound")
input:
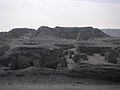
column 71, row 32
column 17, row 33
column 46, row 35
column 20, row 32
column 58, row 32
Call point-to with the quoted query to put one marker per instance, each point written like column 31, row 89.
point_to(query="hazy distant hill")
column 84, row 33
column 71, row 32
column 112, row 32
column 17, row 33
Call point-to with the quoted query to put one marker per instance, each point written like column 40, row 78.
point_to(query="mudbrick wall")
column 23, row 57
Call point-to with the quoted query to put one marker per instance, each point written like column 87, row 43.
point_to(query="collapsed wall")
column 23, row 57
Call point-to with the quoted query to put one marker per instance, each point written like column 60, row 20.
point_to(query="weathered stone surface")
column 112, row 55
column 23, row 57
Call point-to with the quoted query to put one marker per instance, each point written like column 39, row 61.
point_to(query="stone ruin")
column 112, row 55
column 76, row 55
column 23, row 57
column 91, row 50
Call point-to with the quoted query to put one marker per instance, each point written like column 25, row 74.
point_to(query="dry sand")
column 55, row 82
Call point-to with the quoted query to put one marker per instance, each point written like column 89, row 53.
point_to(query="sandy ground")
column 96, row 58
column 55, row 82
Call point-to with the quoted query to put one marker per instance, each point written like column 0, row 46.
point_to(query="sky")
column 66, row 13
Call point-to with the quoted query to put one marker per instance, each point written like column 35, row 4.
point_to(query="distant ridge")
column 112, row 32
column 85, row 33
column 17, row 33
column 71, row 32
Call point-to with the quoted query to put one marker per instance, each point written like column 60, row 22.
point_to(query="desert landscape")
column 59, row 45
column 60, row 58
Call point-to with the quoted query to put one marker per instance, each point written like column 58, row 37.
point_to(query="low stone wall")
column 65, row 46
column 82, row 70
column 92, row 50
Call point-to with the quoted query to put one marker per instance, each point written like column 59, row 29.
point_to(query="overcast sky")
column 76, row 13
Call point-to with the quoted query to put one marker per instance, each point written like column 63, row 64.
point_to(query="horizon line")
column 53, row 27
